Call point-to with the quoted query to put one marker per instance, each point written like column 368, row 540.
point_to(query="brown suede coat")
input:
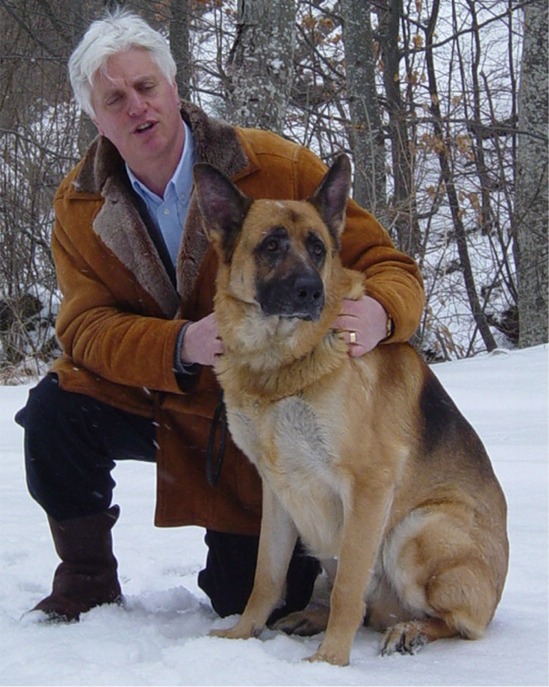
column 120, row 314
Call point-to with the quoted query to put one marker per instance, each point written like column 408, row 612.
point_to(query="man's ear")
column 222, row 205
column 96, row 124
column 330, row 198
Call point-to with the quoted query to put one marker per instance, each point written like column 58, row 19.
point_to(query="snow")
column 160, row 637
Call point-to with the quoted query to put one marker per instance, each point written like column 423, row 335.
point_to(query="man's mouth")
column 146, row 126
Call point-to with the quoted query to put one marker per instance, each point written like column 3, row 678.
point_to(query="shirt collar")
column 182, row 178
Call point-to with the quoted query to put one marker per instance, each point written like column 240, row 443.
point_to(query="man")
column 137, row 331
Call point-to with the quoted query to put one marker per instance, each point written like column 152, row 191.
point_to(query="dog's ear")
column 223, row 207
column 330, row 198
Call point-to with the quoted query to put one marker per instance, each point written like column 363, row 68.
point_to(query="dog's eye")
column 272, row 244
column 315, row 247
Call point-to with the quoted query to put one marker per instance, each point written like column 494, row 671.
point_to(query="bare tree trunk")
column 365, row 132
column 531, row 197
column 179, row 44
column 405, row 222
column 260, row 65
column 81, row 13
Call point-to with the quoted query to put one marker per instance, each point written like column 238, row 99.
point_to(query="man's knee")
column 43, row 404
column 67, row 472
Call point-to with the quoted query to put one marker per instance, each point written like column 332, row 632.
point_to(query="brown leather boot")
column 86, row 576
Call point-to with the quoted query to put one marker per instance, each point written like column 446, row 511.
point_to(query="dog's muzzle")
column 298, row 295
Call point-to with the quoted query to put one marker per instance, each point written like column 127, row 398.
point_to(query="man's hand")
column 201, row 343
column 364, row 324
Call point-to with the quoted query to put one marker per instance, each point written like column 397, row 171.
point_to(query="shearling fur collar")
column 120, row 226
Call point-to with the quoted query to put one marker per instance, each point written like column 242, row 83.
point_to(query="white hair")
column 117, row 31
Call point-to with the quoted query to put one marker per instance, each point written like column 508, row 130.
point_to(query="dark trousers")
column 72, row 443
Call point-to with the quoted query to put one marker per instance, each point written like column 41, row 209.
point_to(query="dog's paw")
column 335, row 657
column 236, row 632
column 224, row 634
column 306, row 623
column 403, row 638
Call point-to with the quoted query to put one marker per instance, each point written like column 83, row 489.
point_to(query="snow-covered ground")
column 160, row 637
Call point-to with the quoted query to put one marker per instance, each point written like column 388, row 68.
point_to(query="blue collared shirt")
column 170, row 212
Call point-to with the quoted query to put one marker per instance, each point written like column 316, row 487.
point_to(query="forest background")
column 441, row 104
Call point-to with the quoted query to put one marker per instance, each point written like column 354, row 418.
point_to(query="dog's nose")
column 308, row 290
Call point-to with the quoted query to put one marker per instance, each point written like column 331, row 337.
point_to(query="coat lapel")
column 120, row 226
column 217, row 143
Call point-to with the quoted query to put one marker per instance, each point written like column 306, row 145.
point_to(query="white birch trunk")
column 260, row 67
column 531, row 197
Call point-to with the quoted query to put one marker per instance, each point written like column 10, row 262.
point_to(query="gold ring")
column 352, row 337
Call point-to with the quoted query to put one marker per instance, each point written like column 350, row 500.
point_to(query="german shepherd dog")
column 366, row 459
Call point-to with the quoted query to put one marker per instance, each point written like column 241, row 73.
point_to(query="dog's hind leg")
column 460, row 602
column 276, row 543
column 313, row 619
column 441, row 577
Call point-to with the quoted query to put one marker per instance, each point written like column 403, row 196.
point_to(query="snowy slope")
column 160, row 637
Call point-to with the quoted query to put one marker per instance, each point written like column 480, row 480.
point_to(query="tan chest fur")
column 295, row 449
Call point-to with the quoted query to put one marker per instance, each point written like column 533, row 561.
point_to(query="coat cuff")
column 179, row 366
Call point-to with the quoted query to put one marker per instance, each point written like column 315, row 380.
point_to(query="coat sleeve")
column 106, row 323
column 390, row 276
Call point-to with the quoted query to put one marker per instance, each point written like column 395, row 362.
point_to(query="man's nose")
column 136, row 104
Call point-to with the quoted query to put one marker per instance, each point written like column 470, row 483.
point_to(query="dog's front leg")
column 364, row 522
column 276, row 544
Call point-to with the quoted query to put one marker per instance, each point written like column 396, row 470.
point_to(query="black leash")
column 214, row 464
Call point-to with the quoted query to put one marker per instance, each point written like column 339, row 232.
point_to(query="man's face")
column 137, row 109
